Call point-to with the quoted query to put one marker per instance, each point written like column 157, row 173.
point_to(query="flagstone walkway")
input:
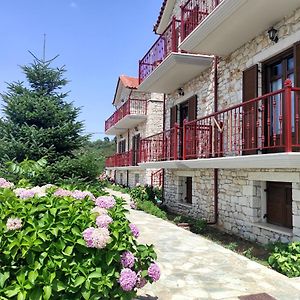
column 196, row 268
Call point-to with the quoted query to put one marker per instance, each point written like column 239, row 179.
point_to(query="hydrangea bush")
column 60, row 244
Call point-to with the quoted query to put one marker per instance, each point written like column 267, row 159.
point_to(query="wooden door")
column 250, row 91
column 135, row 149
column 279, row 203
column 189, row 190
column 276, row 71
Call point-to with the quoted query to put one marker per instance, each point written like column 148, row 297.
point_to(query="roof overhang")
column 166, row 16
column 233, row 23
column 176, row 70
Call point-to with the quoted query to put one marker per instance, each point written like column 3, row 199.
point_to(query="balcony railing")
column 167, row 42
column 125, row 159
column 130, row 107
column 193, row 12
column 266, row 124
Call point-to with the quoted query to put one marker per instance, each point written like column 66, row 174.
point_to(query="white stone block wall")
column 202, row 203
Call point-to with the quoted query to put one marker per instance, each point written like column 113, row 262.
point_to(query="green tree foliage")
column 38, row 121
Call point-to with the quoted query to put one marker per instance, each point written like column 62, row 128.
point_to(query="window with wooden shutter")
column 189, row 190
column 173, row 116
column 297, row 64
column 250, row 91
column 122, row 146
column 279, row 203
column 192, row 108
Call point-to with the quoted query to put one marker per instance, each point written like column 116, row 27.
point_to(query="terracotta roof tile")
column 162, row 9
column 129, row 82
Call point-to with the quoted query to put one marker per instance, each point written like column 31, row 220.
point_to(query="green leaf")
column 96, row 274
column 3, row 277
column 12, row 291
column 32, row 276
column 79, row 281
column 47, row 292
column 68, row 250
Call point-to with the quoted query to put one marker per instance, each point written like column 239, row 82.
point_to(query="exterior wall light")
column 273, row 34
column 180, row 92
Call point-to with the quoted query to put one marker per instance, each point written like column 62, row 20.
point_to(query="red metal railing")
column 193, row 12
column 266, row 124
column 165, row 44
column 124, row 159
column 162, row 146
column 130, row 107
column 157, row 178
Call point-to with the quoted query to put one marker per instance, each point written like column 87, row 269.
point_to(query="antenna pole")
column 44, row 48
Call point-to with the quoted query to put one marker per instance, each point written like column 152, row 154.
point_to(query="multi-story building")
column 230, row 72
column 137, row 115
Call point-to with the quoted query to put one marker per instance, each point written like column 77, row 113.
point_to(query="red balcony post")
column 184, row 142
column 182, row 24
column 174, row 44
column 140, row 75
column 288, row 114
column 176, row 129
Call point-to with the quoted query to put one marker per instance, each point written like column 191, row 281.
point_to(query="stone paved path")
column 196, row 268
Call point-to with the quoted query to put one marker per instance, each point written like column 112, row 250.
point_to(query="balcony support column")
column 288, row 115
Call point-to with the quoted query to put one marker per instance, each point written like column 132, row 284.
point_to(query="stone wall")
column 202, row 203
column 242, row 200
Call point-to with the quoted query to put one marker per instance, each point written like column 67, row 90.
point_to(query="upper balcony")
column 260, row 133
column 123, row 160
column 164, row 68
column 219, row 27
column 130, row 114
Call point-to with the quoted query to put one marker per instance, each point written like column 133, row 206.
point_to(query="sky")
column 96, row 40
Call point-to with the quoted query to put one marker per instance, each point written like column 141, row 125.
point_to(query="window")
column 279, row 204
column 121, row 178
column 185, row 190
column 122, row 146
column 136, row 179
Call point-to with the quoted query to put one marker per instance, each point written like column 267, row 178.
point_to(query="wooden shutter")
column 189, row 190
column 279, row 203
column 192, row 108
column 297, row 63
column 173, row 116
column 250, row 91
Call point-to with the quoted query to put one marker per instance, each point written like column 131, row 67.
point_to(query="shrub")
column 151, row 208
column 196, row 225
column 285, row 259
column 51, row 248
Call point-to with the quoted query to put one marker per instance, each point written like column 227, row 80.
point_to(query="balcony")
column 130, row 114
column 125, row 160
column 164, row 69
column 220, row 27
column 260, row 133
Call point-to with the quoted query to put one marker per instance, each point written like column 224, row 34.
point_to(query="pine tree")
column 38, row 120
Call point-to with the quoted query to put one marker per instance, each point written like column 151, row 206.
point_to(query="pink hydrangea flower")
column 154, row 272
column 80, row 195
column 103, row 221
column 132, row 205
column 14, row 223
column 99, row 211
column 134, row 230
column 127, row 259
column 96, row 237
column 128, row 279
column 105, row 202
column 62, row 193
column 5, row 184
column 24, row 193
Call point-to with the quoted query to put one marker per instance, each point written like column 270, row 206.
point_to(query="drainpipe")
column 127, row 171
column 216, row 171
column 164, row 128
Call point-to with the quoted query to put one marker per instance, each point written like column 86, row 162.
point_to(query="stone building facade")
column 143, row 119
column 246, row 206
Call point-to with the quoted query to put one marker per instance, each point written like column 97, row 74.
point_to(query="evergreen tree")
column 38, row 120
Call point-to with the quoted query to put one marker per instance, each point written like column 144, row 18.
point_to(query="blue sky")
column 97, row 40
